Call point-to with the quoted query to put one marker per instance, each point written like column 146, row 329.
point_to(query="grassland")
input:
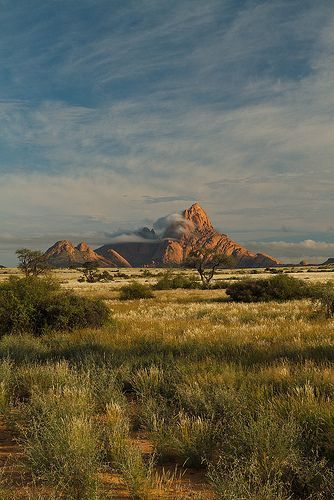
column 181, row 396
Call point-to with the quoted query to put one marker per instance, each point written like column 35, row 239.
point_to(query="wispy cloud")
column 108, row 108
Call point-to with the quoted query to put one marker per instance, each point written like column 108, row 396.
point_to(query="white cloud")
column 256, row 148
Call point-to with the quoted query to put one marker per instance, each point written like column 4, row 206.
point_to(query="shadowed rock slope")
column 329, row 262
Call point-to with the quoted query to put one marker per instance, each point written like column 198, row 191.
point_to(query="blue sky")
column 113, row 113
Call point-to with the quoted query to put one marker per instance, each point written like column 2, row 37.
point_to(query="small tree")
column 32, row 262
column 206, row 261
column 91, row 273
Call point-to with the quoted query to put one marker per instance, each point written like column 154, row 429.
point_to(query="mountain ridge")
column 169, row 246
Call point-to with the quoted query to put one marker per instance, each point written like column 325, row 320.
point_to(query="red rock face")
column 190, row 230
column 195, row 231
column 65, row 254
column 200, row 233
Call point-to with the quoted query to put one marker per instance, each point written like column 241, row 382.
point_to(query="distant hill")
column 167, row 244
column 65, row 254
column 2, row 267
column 328, row 262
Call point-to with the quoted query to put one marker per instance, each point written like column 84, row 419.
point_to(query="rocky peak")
column 62, row 246
column 83, row 247
column 198, row 217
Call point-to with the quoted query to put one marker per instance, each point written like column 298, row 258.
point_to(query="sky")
column 116, row 112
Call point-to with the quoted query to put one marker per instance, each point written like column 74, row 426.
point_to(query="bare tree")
column 206, row 261
column 32, row 262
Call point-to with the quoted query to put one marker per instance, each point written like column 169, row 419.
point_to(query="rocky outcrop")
column 193, row 229
column 65, row 254
column 200, row 233
column 175, row 236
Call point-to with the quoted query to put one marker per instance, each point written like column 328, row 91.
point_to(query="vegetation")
column 324, row 294
column 135, row 290
column 240, row 393
column 91, row 274
column 36, row 305
column 171, row 281
column 32, row 262
column 280, row 287
column 206, row 261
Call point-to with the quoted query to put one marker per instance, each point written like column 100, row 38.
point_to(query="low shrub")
column 171, row 281
column 136, row 290
column 323, row 293
column 37, row 305
column 281, row 287
column 262, row 457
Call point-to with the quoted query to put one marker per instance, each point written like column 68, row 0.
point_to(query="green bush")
column 135, row 290
column 36, row 305
column 280, row 287
column 323, row 293
column 171, row 281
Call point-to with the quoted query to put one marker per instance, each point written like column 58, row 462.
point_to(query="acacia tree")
column 91, row 273
column 32, row 262
column 206, row 261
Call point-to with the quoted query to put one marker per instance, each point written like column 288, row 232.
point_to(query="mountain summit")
column 168, row 244
column 198, row 217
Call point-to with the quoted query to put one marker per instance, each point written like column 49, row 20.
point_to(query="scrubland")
column 183, row 395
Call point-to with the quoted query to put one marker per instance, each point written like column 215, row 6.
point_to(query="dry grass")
column 184, row 396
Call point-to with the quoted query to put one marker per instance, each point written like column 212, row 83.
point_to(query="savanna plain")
column 183, row 395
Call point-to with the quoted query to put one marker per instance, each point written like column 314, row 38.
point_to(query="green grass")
column 242, row 392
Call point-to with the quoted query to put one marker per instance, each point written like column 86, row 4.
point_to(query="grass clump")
column 135, row 290
column 281, row 287
column 37, row 305
column 59, row 440
column 186, row 439
column 262, row 457
column 125, row 456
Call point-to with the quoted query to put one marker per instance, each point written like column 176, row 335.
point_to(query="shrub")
column 36, row 305
column 280, row 287
column 91, row 274
column 262, row 458
column 171, row 281
column 135, row 290
column 323, row 293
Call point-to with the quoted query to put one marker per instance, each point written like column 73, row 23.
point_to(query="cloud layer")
column 113, row 114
